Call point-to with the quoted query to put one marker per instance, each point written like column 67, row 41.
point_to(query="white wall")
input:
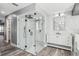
column 72, row 24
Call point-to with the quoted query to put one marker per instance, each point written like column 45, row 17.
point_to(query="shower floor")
column 39, row 46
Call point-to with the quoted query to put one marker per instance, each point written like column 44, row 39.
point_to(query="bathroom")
column 39, row 29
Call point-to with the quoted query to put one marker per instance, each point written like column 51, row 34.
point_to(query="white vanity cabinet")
column 75, row 47
column 67, row 39
column 62, row 39
column 58, row 35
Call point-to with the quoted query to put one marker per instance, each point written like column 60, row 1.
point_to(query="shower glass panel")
column 40, row 36
column 21, row 33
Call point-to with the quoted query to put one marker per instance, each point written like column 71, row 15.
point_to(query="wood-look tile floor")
column 48, row 51
column 8, row 50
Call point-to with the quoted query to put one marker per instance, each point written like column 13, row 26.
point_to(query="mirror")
column 58, row 23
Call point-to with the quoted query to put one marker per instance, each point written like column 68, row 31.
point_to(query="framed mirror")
column 59, row 23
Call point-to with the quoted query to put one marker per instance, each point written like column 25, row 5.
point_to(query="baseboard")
column 59, row 46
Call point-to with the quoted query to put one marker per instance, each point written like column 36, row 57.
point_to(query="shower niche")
column 30, row 32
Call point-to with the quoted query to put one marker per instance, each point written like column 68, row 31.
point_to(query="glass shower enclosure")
column 30, row 32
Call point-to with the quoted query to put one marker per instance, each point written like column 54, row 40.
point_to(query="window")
column 1, row 28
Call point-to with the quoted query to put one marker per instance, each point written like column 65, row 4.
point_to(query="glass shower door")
column 30, row 36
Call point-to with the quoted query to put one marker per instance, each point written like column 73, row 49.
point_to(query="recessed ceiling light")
column 2, row 12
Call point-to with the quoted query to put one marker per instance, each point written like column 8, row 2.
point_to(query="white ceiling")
column 9, row 7
column 48, row 7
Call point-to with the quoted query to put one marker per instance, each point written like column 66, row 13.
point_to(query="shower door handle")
column 24, row 35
